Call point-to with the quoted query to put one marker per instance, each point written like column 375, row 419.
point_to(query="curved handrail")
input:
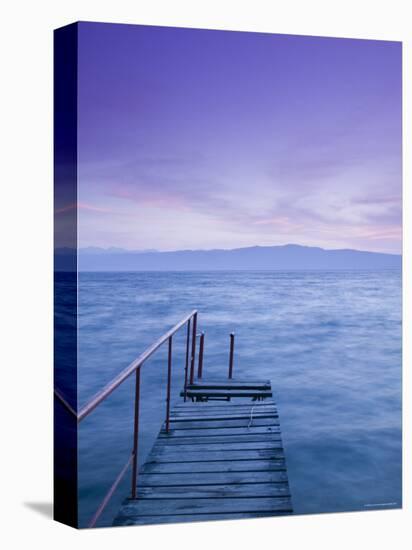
column 134, row 367
column 129, row 370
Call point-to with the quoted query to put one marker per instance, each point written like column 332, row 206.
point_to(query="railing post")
column 192, row 361
column 136, row 434
column 201, row 349
column 232, row 346
column 169, row 382
column 187, row 358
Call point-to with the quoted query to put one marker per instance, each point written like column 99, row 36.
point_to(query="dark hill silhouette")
column 287, row 257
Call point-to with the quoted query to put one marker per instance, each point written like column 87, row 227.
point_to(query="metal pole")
column 136, row 433
column 201, row 348
column 169, row 382
column 232, row 346
column 192, row 361
column 187, row 358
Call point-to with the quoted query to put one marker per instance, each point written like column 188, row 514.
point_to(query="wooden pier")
column 218, row 455
column 221, row 459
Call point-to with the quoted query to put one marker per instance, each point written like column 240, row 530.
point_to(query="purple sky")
column 211, row 139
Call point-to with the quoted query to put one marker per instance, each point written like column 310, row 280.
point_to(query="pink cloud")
column 383, row 233
column 153, row 199
column 82, row 206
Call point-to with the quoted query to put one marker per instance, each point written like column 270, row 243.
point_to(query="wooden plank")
column 221, row 446
column 218, row 412
column 220, row 416
column 189, row 479
column 197, row 406
column 218, row 466
column 224, row 411
column 227, row 393
column 212, row 411
column 245, row 490
column 210, row 407
column 220, row 424
column 208, row 380
column 173, row 455
column 228, row 385
column 159, row 507
column 184, row 423
column 229, row 404
column 204, row 409
column 224, row 415
column 186, row 518
column 221, row 438
column 253, row 430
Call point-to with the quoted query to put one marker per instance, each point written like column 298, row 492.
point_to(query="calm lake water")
column 330, row 342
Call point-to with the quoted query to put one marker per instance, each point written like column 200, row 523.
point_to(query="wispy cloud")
column 82, row 206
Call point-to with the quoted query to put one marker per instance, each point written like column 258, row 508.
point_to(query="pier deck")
column 219, row 460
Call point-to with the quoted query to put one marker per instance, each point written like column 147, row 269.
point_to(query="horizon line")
column 158, row 251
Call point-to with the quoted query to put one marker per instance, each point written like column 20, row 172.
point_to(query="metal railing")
column 231, row 354
column 134, row 368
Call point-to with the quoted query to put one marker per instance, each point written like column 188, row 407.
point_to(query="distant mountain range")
column 287, row 257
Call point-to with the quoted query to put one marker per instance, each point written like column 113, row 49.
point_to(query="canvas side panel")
column 65, row 275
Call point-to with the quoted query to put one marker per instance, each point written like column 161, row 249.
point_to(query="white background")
column 26, row 254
